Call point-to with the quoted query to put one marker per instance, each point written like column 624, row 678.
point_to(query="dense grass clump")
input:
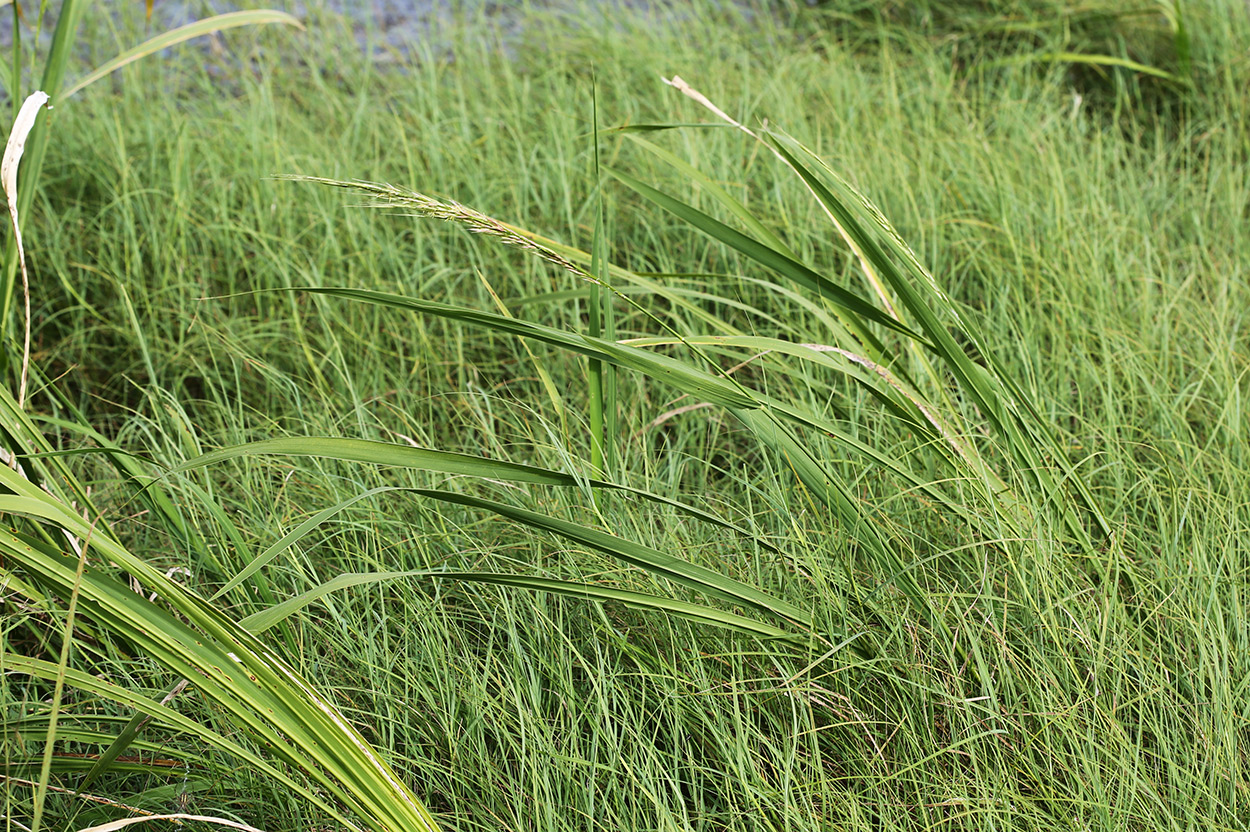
column 877, row 462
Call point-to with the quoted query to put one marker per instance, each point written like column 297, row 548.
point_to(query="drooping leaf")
column 165, row 40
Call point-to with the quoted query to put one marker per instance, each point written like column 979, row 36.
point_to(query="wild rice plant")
column 900, row 338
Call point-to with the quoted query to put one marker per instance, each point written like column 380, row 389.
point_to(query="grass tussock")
column 910, row 492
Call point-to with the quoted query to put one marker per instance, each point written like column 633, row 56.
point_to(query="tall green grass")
column 963, row 656
column 51, row 69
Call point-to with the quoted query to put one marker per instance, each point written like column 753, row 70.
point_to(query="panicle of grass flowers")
column 418, row 204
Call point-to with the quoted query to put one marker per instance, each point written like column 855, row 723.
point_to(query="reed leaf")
column 207, row 26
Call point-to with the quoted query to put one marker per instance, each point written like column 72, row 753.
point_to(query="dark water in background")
column 388, row 30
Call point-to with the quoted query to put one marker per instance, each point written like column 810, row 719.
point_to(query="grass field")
column 997, row 575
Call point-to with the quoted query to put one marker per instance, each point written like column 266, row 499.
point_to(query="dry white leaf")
column 17, row 143
column 124, row 822
column 22, row 126
column 691, row 92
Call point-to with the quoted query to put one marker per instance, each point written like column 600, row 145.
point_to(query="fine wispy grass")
column 900, row 593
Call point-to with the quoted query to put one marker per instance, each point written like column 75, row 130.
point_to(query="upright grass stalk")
column 602, row 324
column 58, row 690
column 15, row 68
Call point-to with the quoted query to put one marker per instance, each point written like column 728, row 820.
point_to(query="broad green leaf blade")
column 443, row 462
column 699, row 578
column 810, row 471
column 754, row 312
column 385, row 453
column 903, row 401
column 166, row 639
column 713, row 188
column 920, row 296
column 891, row 391
column 834, row 493
column 659, row 127
column 860, row 309
column 173, row 37
column 638, row 600
column 682, row 609
column 920, row 303
column 690, row 380
column 684, row 377
column 675, row 569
